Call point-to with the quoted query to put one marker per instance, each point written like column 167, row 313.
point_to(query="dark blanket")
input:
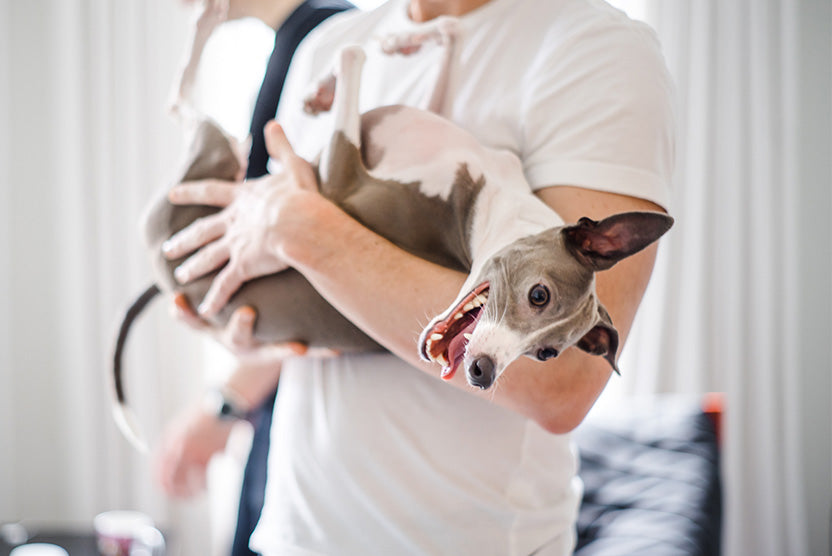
column 651, row 479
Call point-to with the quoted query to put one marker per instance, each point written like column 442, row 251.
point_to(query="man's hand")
column 247, row 233
column 238, row 335
column 187, row 445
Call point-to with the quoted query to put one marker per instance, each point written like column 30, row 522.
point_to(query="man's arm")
column 391, row 294
column 198, row 432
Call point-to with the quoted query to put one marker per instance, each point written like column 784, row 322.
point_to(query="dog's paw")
column 321, row 97
column 442, row 32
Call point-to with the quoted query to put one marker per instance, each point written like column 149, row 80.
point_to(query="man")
column 376, row 454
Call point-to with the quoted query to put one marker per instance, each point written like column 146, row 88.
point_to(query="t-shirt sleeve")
column 599, row 115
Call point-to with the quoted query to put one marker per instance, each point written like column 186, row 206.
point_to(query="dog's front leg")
column 340, row 156
column 443, row 31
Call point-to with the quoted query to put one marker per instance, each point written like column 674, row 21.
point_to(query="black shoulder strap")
column 306, row 17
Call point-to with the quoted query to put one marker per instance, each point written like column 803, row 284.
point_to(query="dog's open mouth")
column 446, row 341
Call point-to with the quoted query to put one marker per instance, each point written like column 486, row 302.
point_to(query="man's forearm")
column 387, row 292
column 391, row 295
column 253, row 382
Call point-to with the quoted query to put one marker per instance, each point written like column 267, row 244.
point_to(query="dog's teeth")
column 467, row 335
column 468, row 306
column 481, row 299
column 457, row 316
column 436, row 336
column 441, row 360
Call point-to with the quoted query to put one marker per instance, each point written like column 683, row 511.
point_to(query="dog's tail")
column 125, row 418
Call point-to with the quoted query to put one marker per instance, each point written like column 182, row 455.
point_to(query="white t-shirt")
column 371, row 456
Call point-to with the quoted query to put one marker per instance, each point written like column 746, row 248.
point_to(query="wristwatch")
column 225, row 405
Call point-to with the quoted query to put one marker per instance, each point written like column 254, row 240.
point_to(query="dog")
column 531, row 279
column 530, row 286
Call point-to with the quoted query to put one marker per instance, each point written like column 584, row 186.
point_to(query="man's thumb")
column 276, row 142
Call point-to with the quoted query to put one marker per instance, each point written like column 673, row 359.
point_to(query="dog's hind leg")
column 444, row 32
column 214, row 12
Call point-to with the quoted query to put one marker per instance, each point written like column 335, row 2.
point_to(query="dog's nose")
column 481, row 372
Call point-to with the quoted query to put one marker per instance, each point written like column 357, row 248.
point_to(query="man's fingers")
column 274, row 352
column 240, row 333
column 171, row 470
column 241, row 328
column 206, row 260
column 191, row 238
column 292, row 348
column 276, row 142
column 279, row 148
column 214, row 193
column 222, row 288
column 195, row 481
column 322, row 352
column 183, row 311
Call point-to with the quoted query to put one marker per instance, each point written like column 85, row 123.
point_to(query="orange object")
column 713, row 405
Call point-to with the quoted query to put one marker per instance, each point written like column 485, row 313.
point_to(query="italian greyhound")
column 432, row 189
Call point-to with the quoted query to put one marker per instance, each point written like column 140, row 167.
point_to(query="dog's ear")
column 599, row 245
column 602, row 339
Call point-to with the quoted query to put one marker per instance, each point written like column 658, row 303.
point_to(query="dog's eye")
column 544, row 354
column 539, row 295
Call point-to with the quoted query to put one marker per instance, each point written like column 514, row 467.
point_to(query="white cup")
column 38, row 549
column 127, row 533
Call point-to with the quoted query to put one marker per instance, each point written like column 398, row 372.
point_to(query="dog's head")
column 536, row 297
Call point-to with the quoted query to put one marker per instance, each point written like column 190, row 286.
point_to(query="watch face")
column 227, row 411
column 217, row 405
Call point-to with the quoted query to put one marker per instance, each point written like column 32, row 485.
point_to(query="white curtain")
column 84, row 143
column 740, row 300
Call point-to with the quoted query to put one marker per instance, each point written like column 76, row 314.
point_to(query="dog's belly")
column 288, row 307
column 417, row 191
column 414, row 181
column 429, row 149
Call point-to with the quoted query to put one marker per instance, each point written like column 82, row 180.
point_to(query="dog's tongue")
column 456, row 351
